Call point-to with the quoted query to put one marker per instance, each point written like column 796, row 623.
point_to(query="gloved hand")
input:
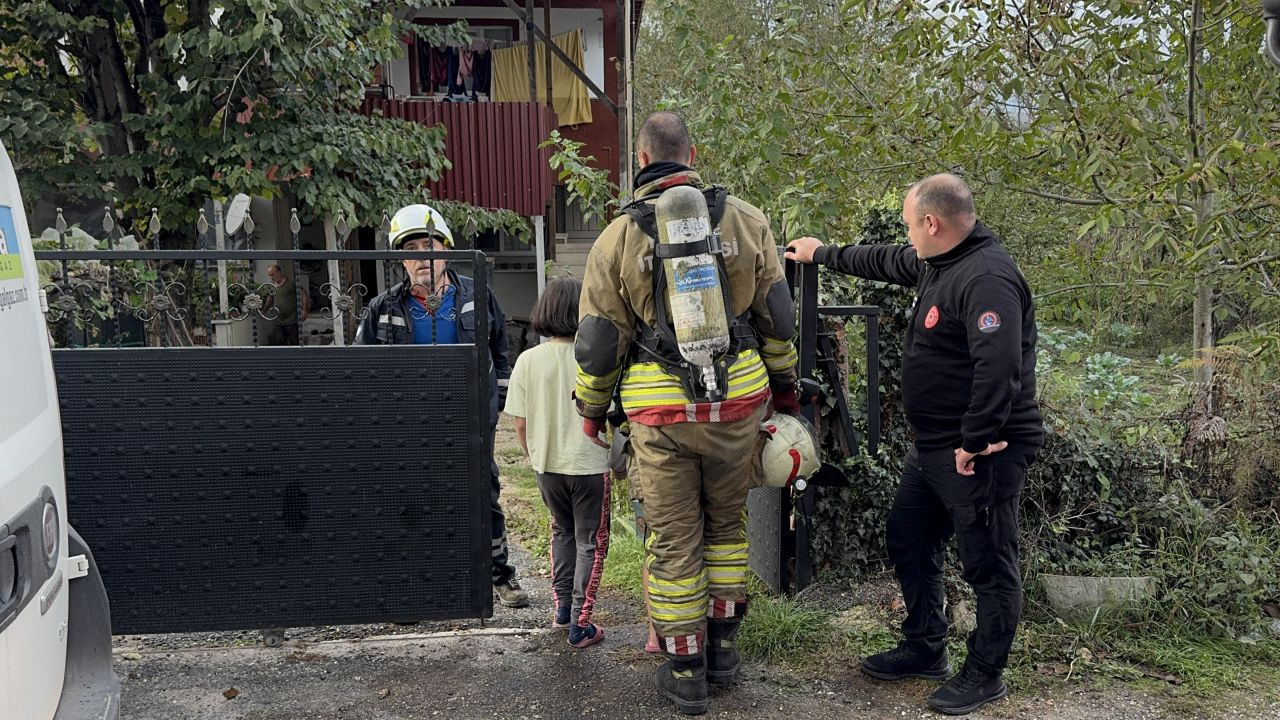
column 786, row 399
column 592, row 428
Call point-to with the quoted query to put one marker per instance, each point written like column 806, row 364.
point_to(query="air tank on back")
column 698, row 314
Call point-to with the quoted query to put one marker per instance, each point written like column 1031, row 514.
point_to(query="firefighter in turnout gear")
column 649, row 299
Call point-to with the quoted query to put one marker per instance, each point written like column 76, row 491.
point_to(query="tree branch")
column 1193, row 122
column 231, row 92
column 1259, row 260
column 1059, row 198
column 1090, row 286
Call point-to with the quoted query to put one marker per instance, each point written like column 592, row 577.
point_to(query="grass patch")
column 626, row 558
column 1180, row 661
column 1206, row 665
column 528, row 519
column 781, row 629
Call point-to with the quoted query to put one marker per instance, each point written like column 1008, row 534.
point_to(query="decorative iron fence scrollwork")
column 253, row 302
column 345, row 303
column 113, row 290
column 160, row 299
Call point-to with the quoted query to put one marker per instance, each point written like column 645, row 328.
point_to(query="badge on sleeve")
column 988, row 322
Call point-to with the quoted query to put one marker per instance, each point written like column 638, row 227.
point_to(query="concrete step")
column 573, row 256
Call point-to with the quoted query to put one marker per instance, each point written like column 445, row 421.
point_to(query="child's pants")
column 579, row 507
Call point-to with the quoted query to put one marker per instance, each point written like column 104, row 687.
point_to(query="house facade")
column 493, row 104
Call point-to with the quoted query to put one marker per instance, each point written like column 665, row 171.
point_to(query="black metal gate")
column 777, row 519
column 267, row 487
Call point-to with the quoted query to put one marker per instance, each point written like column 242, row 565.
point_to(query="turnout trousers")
column 694, row 478
column 981, row 510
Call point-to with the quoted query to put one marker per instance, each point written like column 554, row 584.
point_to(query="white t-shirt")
column 541, row 392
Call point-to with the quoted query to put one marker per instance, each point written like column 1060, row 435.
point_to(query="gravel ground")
column 514, row 666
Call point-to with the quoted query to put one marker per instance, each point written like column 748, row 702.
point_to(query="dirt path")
column 514, row 667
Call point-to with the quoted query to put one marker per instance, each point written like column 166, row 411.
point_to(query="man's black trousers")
column 933, row 503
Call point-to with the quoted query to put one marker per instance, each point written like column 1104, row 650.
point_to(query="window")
column 496, row 242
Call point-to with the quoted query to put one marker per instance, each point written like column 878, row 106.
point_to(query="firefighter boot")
column 722, row 650
column 683, row 681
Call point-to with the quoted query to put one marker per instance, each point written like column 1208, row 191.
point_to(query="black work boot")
column 683, row 681
column 722, row 650
column 970, row 689
column 907, row 660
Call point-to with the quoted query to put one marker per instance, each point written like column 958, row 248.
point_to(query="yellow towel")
column 571, row 99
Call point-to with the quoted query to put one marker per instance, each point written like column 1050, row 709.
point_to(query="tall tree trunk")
column 110, row 95
column 1202, row 306
column 1202, row 318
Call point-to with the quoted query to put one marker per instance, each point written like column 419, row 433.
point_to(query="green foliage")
column 458, row 214
column 587, row 185
column 1122, row 175
column 166, row 104
column 850, row 521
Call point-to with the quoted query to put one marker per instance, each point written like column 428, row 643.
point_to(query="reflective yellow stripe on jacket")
column 779, row 355
column 646, row 384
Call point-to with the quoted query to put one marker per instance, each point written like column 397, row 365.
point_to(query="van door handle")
column 10, row 577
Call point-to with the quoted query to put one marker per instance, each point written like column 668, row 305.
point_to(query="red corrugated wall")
column 493, row 148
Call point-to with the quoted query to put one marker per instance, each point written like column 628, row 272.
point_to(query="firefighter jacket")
column 617, row 305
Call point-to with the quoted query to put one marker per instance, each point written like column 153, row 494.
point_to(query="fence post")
column 335, row 278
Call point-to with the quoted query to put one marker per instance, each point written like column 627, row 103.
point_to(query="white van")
column 55, row 625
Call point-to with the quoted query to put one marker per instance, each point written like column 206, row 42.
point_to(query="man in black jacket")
column 437, row 305
column 968, row 385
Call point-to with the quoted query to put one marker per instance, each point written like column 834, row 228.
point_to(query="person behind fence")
column 436, row 305
column 969, row 387
column 695, row 434
column 573, row 472
column 285, row 301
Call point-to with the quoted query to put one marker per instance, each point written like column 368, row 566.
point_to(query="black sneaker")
column 907, row 661
column 969, row 690
column 684, row 682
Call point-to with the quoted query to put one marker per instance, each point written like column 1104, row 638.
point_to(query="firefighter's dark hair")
column 665, row 137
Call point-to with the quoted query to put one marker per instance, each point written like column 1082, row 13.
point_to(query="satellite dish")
column 237, row 211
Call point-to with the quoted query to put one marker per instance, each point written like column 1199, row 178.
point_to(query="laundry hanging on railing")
column 570, row 97
column 447, row 69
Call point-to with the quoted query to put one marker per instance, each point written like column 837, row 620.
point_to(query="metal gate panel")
column 770, row 540
column 247, row 488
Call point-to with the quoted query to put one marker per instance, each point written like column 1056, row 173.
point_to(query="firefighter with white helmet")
column 686, row 315
column 436, row 305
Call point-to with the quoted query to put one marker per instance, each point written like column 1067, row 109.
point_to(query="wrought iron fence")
column 115, row 292
column 264, row 487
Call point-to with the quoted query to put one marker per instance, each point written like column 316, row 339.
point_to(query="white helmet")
column 413, row 221
column 790, row 450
